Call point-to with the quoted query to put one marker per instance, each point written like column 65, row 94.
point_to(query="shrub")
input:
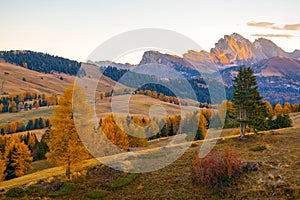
column 217, row 170
column 120, row 182
column 95, row 194
column 64, row 190
column 15, row 192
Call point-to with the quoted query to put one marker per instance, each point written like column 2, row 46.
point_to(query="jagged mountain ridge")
column 231, row 50
column 234, row 49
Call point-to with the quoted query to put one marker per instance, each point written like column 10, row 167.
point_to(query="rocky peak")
column 232, row 49
column 268, row 48
column 159, row 58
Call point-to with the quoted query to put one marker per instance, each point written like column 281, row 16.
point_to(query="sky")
column 73, row 28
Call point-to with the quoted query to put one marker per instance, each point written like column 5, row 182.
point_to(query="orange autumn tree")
column 114, row 133
column 2, row 167
column 65, row 147
column 18, row 157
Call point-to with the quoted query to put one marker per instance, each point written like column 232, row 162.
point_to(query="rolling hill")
column 16, row 79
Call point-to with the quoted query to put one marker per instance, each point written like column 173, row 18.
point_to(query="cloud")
column 274, row 35
column 292, row 27
column 261, row 24
column 289, row 27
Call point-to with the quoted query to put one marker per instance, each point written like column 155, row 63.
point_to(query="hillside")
column 16, row 79
column 41, row 62
column 277, row 176
column 13, row 75
column 278, row 66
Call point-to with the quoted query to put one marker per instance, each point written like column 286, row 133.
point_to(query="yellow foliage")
column 3, row 162
column 18, row 156
column 278, row 109
column 114, row 133
column 66, row 148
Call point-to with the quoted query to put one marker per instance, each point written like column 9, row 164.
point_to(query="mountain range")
column 277, row 71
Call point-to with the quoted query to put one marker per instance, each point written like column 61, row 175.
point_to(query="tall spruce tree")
column 248, row 102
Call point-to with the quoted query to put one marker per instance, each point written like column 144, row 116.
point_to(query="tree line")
column 41, row 62
column 26, row 101
column 19, row 126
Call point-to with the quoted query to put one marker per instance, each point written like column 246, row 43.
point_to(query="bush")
column 15, row 192
column 217, row 170
column 64, row 190
column 95, row 194
column 281, row 121
column 120, row 182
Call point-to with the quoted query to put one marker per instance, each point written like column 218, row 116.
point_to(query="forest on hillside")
column 41, row 62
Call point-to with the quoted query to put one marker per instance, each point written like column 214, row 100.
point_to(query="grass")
column 39, row 166
column 96, row 194
column 118, row 183
column 259, row 148
column 174, row 181
column 138, row 105
column 34, row 191
column 24, row 116
column 46, row 173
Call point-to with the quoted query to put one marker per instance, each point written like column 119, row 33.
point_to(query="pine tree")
column 42, row 146
column 30, row 125
column 66, row 148
column 248, row 102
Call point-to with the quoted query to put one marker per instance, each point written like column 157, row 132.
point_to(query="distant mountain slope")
column 41, row 62
column 278, row 66
column 278, row 78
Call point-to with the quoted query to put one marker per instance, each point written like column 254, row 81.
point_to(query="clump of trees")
column 16, row 155
column 25, row 101
column 19, row 126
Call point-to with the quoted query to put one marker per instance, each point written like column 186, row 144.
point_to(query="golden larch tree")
column 18, row 157
column 114, row 133
column 278, row 109
column 2, row 167
column 65, row 147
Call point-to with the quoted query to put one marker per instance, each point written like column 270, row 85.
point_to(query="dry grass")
column 24, row 116
column 174, row 181
column 139, row 105
column 40, row 82
column 35, row 81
